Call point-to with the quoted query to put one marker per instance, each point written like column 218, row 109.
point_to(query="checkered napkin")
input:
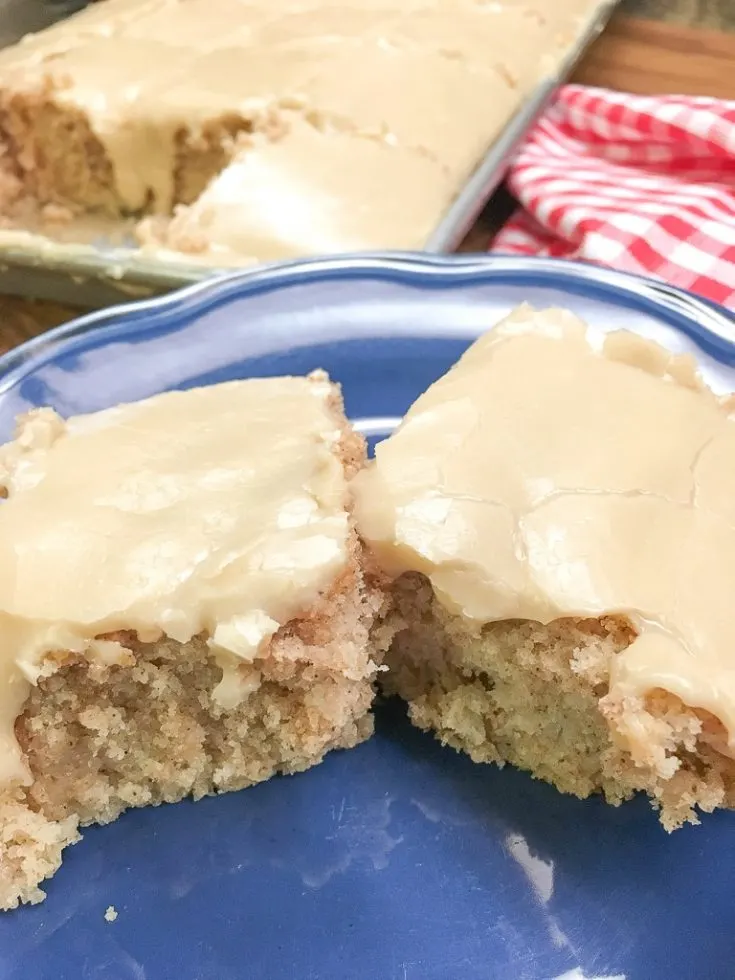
column 641, row 184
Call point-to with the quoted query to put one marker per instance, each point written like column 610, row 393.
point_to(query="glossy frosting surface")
column 554, row 473
column 218, row 510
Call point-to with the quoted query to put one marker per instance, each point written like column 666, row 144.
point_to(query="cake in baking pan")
column 352, row 126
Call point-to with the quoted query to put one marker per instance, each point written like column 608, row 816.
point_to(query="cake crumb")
column 110, row 913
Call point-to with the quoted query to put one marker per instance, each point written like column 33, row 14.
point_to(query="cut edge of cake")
column 537, row 696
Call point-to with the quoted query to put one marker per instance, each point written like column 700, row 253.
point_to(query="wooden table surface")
column 650, row 47
column 652, row 57
column 715, row 14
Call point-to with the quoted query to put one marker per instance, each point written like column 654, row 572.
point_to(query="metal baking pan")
column 85, row 277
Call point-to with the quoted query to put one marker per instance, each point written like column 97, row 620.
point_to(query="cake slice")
column 183, row 609
column 557, row 516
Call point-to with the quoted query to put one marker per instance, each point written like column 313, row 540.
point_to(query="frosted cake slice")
column 557, row 514
column 182, row 607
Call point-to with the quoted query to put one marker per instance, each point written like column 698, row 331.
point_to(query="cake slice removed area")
column 183, row 609
column 249, row 209
column 556, row 514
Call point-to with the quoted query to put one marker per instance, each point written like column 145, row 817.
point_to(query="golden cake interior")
column 537, row 696
column 101, row 739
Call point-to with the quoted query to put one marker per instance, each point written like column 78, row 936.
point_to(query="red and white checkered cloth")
column 638, row 183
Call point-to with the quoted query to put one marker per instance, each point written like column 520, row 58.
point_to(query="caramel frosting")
column 288, row 199
column 554, row 472
column 431, row 81
column 217, row 511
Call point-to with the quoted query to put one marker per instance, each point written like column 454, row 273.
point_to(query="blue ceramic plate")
column 399, row 860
